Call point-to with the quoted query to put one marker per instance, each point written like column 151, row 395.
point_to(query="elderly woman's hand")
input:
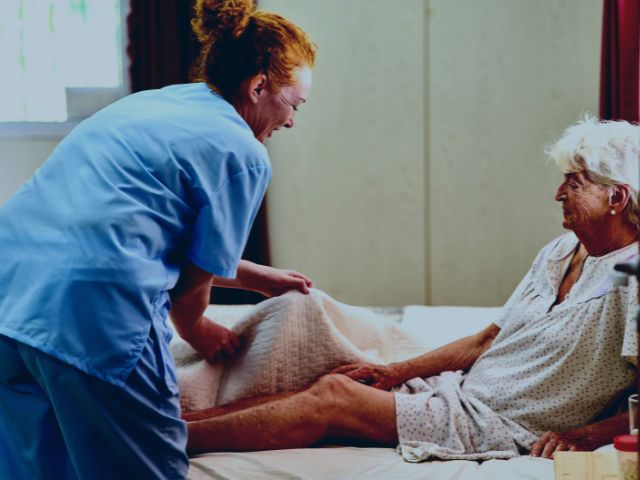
column 552, row 442
column 586, row 438
column 377, row 376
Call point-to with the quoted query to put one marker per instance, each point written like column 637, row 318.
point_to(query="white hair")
column 609, row 151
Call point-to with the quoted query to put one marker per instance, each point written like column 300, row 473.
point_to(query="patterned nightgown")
column 550, row 367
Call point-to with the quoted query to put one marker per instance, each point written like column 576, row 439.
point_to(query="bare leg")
column 240, row 404
column 335, row 407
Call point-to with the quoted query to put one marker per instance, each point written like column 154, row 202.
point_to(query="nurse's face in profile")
column 267, row 110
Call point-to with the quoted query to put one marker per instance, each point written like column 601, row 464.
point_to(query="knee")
column 334, row 392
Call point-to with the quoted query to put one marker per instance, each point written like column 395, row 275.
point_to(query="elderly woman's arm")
column 582, row 439
column 458, row 355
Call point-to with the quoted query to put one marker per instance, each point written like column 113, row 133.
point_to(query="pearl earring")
column 612, row 212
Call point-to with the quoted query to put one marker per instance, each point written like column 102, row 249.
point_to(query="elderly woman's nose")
column 289, row 123
column 561, row 193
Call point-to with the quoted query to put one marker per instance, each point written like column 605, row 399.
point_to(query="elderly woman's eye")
column 295, row 108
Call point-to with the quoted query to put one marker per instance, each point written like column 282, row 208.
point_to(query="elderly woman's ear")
column 619, row 197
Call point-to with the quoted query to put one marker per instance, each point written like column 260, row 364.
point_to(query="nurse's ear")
column 256, row 87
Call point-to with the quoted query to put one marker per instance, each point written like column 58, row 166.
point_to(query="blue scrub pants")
column 57, row 422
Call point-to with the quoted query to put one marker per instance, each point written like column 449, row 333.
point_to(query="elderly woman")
column 150, row 199
column 540, row 379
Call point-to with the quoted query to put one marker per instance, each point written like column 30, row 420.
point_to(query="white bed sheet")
column 435, row 326
column 331, row 463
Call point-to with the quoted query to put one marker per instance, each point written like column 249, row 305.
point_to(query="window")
column 62, row 59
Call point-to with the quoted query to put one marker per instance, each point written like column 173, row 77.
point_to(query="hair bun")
column 214, row 18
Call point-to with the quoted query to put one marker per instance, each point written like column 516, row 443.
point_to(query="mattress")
column 359, row 463
column 436, row 326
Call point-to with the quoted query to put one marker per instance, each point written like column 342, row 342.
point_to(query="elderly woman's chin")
column 586, row 221
column 568, row 221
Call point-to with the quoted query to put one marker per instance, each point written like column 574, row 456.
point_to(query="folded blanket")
column 288, row 342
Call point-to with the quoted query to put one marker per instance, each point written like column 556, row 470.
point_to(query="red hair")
column 239, row 42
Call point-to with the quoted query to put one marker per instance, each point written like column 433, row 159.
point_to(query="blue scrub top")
column 94, row 240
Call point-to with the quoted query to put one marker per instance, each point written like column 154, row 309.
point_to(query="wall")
column 505, row 77
column 347, row 198
column 450, row 101
column 415, row 173
column 19, row 158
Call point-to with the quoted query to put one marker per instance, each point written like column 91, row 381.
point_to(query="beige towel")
column 288, row 342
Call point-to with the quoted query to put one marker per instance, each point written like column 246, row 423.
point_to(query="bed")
column 436, row 326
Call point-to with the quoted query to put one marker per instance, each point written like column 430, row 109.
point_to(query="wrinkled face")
column 584, row 204
column 278, row 109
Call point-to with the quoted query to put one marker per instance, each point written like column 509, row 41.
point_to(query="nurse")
column 132, row 218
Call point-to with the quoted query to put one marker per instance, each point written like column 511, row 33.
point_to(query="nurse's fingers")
column 302, row 286
column 307, row 281
column 235, row 341
column 228, row 348
column 230, row 345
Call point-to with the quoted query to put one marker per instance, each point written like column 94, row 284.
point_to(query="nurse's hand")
column 272, row 282
column 213, row 341
column 268, row 281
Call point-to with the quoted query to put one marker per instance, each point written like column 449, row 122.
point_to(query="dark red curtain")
column 620, row 70
column 620, row 61
column 161, row 50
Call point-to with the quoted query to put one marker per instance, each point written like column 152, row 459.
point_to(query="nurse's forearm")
column 225, row 282
column 190, row 298
column 187, row 310
column 246, row 271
